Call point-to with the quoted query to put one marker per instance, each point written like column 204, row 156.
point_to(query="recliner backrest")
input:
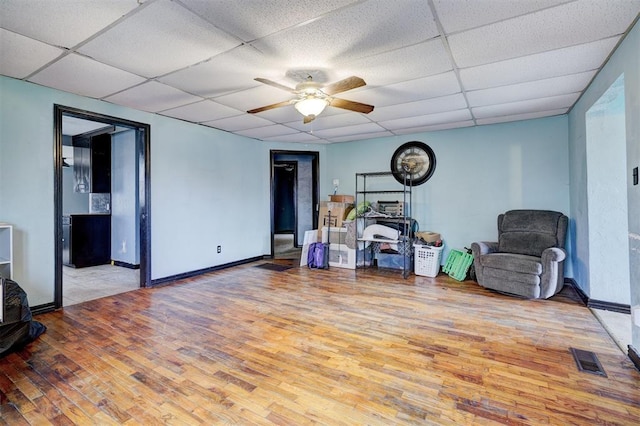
column 530, row 232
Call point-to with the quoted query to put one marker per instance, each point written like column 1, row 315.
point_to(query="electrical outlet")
column 219, row 249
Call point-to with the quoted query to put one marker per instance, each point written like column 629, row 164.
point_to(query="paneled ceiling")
column 428, row 64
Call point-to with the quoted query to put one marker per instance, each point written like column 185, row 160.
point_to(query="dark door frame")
column 315, row 191
column 143, row 138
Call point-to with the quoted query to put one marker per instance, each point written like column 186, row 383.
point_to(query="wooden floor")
column 248, row 345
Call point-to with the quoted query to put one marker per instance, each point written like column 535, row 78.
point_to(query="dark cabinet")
column 86, row 240
column 101, row 163
column 92, row 163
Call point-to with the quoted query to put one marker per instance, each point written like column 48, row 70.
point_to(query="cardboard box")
column 339, row 212
column 342, row 198
column 428, row 236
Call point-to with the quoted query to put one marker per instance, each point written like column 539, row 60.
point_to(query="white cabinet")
column 6, row 250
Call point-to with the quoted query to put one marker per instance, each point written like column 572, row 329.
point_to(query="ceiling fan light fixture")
column 311, row 106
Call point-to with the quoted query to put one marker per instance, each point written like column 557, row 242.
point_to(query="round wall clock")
column 416, row 159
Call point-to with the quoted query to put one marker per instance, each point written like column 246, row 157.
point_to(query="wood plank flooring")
column 248, row 346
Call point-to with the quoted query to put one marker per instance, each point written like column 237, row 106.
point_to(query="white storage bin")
column 427, row 260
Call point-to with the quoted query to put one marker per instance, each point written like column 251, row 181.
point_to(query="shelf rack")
column 405, row 219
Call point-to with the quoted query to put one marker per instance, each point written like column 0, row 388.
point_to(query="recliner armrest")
column 553, row 254
column 483, row 247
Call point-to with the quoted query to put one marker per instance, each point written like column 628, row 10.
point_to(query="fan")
column 311, row 98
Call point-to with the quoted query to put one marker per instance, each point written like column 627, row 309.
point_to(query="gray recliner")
column 527, row 260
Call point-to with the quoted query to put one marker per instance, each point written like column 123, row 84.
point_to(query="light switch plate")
column 635, row 315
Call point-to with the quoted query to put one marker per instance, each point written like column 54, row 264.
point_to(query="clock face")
column 416, row 160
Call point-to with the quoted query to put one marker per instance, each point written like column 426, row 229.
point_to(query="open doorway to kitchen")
column 101, row 205
column 294, row 201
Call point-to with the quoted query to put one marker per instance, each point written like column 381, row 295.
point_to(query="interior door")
column 285, row 183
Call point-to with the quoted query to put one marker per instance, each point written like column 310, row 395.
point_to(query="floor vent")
column 588, row 362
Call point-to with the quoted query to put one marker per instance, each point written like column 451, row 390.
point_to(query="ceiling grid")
column 434, row 65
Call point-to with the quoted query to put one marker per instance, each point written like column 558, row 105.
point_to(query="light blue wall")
column 607, row 196
column 625, row 60
column 125, row 223
column 480, row 173
column 208, row 187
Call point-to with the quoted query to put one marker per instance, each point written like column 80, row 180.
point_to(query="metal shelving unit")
column 363, row 180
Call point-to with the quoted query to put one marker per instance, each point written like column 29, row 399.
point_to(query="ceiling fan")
column 311, row 97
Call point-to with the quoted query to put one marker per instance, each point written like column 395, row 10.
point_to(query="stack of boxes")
column 332, row 230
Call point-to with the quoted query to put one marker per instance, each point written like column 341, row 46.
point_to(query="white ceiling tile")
column 427, row 106
column 411, row 62
column 531, row 90
column 570, row 60
column 161, row 38
column 324, row 122
column 561, row 26
column 202, row 111
column 427, row 120
column 365, row 29
column 457, row 15
column 301, row 137
column 238, row 123
column 408, row 91
column 13, row 60
column 61, row 23
column 348, row 130
column 285, row 115
column 152, row 97
column 435, row 127
column 255, row 97
column 84, row 76
column 360, row 136
column 523, row 107
column 226, row 73
column 267, row 131
column 518, row 117
column 239, row 17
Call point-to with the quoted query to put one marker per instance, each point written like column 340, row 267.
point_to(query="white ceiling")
column 428, row 64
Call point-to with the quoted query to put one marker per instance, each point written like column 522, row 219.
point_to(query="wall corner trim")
column 634, row 356
column 598, row 304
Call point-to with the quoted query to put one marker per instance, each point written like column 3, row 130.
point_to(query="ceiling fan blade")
column 344, row 85
column 274, row 84
column 351, row 105
column 268, row 107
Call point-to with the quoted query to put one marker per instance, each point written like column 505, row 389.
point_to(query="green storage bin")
column 457, row 264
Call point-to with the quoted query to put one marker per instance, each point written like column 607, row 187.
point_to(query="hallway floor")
column 283, row 247
column 618, row 326
column 83, row 284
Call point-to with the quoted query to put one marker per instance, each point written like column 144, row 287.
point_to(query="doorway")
column 285, row 182
column 294, row 200
column 101, row 200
